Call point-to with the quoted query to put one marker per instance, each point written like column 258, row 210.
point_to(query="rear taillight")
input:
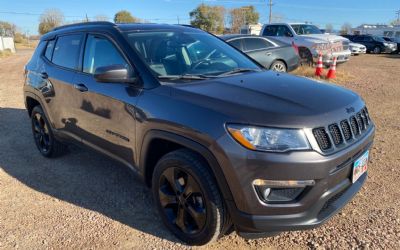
column 296, row 48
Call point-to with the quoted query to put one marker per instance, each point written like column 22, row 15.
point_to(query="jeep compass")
column 223, row 143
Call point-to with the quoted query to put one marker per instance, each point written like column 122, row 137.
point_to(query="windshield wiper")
column 184, row 77
column 238, row 70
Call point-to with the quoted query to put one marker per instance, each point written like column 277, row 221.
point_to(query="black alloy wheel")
column 45, row 141
column 41, row 133
column 188, row 199
column 182, row 200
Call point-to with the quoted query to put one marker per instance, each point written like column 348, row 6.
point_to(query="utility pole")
column 398, row 17
column 270, row 11
column 87, row 19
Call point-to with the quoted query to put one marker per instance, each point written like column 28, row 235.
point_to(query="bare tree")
column 243, row 16
column 50, row 19
column 329, row 28
column 346, row 29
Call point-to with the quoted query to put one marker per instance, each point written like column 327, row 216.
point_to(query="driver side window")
column 100, row 52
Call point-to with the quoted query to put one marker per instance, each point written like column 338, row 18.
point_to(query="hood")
column 319, row 38
column 269, row 98
column 356, row 45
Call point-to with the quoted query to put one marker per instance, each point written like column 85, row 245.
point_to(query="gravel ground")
column 85, row 200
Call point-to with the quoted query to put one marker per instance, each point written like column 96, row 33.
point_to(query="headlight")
column 269, row 139
column 386, row 44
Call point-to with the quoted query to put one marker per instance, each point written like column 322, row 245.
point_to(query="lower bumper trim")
column 329, row 205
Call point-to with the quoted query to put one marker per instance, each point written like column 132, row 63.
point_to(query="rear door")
column 62, row 62
column 106, row 110
column 259, row 49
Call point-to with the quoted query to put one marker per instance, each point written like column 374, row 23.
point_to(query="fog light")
column 280, row 191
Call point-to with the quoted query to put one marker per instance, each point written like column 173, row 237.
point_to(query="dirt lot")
column 84, row 200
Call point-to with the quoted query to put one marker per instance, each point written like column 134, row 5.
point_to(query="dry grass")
column 25, row 45
column 5, row 53
column 341, row 75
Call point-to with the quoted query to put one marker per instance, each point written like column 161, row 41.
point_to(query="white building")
column 7, row 43
column 251, row 29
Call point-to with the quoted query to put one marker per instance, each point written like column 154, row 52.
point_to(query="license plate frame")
column 360, row 167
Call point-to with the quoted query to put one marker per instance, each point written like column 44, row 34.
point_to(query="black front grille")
column 360, row 121
column 322, row 138
column 335, row 133
column 354, row 126
column 346, row 131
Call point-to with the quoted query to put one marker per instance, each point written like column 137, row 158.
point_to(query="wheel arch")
column 31, row 100
column 148, row 159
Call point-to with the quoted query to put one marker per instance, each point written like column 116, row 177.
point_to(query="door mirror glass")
column 114, row 74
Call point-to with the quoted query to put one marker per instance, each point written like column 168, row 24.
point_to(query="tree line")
column 212, row 18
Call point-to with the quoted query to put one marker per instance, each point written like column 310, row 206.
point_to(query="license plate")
column 360, row 166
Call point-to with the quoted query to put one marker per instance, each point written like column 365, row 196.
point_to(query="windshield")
column 182, row 53
column 305, row 29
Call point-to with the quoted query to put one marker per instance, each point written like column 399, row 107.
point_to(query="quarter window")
column 49, row 49
column 256, row 43
column 236, row 43
column 100, row 52
column 66, row 51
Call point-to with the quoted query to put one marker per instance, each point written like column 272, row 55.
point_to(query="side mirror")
column 114, row 74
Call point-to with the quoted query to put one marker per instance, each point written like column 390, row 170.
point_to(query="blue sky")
column 25, row 13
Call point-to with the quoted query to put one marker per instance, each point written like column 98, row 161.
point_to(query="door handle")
column 268, row 53
column 81, row 87
column 44, row 75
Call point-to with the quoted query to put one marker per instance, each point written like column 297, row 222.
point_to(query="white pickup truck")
column 310, row 41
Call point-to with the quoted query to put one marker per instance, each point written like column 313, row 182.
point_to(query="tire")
column 377, row 50
column 278, row 66
column 306, row 57
column 187, row 198
column 43, row 136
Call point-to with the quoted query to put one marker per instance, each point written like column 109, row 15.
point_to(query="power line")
column 270, row 11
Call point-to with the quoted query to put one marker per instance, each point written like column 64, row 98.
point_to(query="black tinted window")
column 236, row 43
column 49, row 49
column 66, row 51
column 284, row 31
column 270, row 30
column 100, row 52
column 256, row 43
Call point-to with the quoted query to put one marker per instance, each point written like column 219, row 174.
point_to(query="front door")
column 106, row 110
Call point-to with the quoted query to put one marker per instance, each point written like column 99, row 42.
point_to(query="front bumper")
column 357, row 51
column 332, row 191
column 327, row 59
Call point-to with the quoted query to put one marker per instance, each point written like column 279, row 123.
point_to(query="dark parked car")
column 223, row 143
column 393, row 40
column 374, row 44
column 270, row 53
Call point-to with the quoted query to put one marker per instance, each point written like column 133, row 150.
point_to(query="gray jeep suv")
column 224, row 144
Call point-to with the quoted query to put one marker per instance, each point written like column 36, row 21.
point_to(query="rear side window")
column 255, row 44
column 49, row 49
column 100, row 52
column 67, row 50
column 237, row 43
column 270, row 30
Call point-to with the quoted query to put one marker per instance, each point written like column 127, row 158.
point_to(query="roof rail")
column 84, row 24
